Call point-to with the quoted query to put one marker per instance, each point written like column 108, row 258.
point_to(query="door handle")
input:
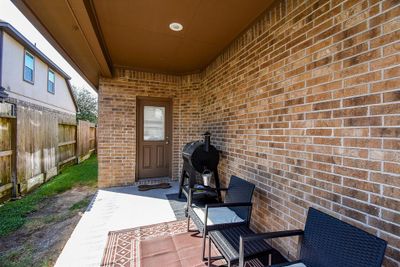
column 166, row 142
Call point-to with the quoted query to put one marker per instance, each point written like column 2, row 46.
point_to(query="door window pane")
column 153, row 123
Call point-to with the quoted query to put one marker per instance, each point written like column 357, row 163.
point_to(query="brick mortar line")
column 342, row 157
column 341, row 203
column 333, row 54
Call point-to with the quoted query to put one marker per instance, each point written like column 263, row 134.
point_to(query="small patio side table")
column 227, row 242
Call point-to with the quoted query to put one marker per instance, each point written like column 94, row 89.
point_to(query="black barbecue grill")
column 199, row 158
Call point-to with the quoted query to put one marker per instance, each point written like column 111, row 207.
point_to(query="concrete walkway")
column 114, row 209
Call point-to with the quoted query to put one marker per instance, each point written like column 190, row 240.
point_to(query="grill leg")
column 181, row 183
column 217, row 185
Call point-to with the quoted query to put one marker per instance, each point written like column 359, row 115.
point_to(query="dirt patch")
column 42, row 238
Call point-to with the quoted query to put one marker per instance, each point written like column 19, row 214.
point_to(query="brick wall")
column 117, row 120
column 305, row 104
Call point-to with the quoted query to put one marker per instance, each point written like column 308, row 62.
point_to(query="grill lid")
column 201, row 155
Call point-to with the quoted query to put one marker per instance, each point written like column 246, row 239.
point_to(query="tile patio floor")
column 114, row 209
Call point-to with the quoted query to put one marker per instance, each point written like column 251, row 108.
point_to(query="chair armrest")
column 270, row 235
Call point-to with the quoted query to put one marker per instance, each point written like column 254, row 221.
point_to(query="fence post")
column 77, row 138
column 14, row 178
column 8, row 186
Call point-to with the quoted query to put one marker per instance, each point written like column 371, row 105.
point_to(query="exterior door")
column 154, row 132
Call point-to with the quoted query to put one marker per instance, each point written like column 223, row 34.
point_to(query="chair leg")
column 188, row 224
column 204, row 246
column 209, row 252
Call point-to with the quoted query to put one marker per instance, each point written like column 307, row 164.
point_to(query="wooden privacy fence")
column 35, row 145
column 66, row 144
column 86, row 139
column 37, row 141
column 6, row 156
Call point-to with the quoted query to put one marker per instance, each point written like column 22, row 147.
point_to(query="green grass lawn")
column 13, row 214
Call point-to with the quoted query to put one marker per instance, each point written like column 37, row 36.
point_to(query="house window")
column 29, row 67
column 51, row 81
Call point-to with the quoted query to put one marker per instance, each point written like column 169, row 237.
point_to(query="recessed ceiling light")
column 176, row 27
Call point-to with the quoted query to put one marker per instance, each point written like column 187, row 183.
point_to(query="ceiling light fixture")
column 176, row 27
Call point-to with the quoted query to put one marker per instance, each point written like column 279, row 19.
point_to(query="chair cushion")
column 289, row 264
column 227, row 241
column 219, row 215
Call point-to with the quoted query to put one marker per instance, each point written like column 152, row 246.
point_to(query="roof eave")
column 96, row 65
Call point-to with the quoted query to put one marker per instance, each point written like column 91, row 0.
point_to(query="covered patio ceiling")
column 304, row 104
column 98, row 35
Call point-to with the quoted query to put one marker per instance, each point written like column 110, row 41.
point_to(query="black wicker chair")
column 235, row 210
column 327, row 242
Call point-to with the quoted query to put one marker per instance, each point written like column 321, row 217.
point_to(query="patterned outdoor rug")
column 123, row 247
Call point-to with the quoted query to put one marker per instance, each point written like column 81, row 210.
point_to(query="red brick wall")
column 117, row 120
column 306, row 104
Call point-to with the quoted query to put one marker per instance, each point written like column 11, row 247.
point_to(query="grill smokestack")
column 207, row 136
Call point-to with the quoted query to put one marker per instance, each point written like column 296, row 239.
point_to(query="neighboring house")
column 28, row 75
column 36, row 102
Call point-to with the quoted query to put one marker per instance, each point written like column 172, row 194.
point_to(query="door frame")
column 138, row 120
